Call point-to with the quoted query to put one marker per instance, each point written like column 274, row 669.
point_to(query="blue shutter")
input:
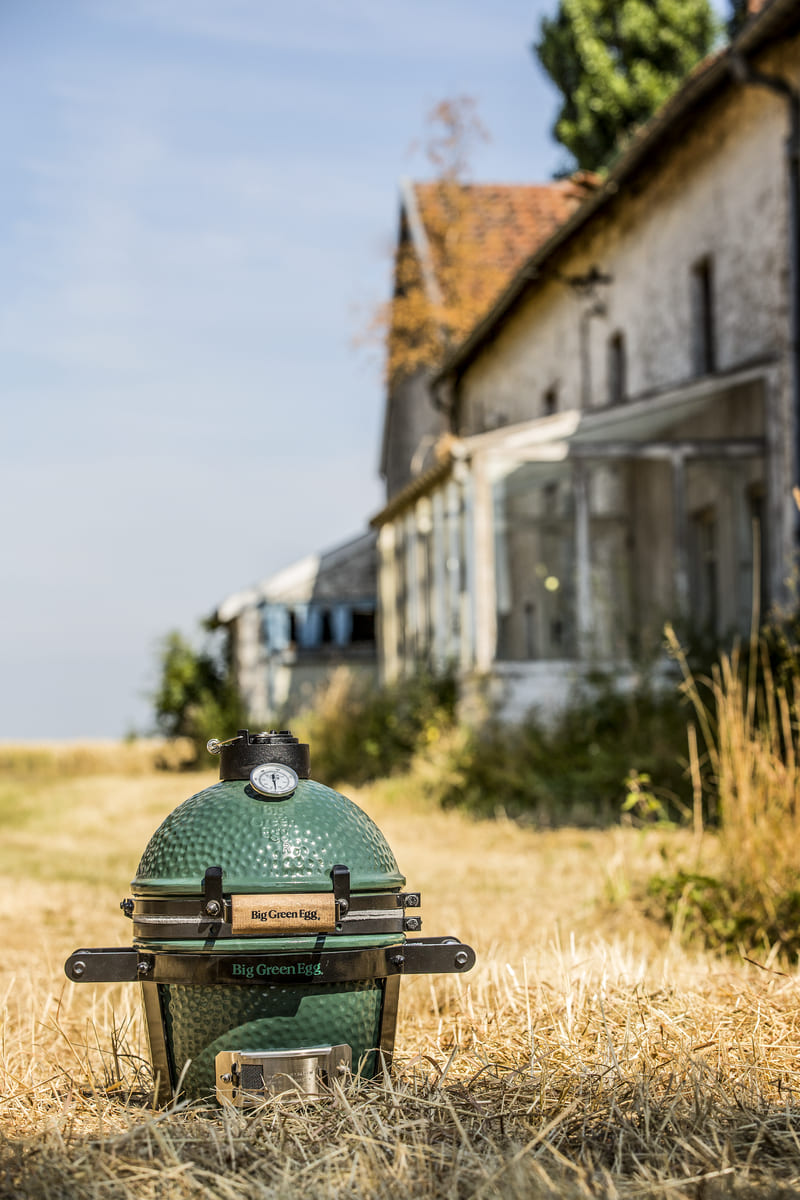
column 275, row 622
column 342, row 624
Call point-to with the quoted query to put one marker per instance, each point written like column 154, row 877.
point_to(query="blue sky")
column 198, row 202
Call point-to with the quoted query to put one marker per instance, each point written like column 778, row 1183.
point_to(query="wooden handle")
column 303, row 912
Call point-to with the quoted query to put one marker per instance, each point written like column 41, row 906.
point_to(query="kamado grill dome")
column 265, row 843
column 270, row 933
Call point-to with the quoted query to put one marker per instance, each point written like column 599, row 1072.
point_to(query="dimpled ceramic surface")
column 201, row 1021
column 266, row 845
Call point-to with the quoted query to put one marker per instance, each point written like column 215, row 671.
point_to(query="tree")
column 437, row 301
column 615, row 62
column 195, row 697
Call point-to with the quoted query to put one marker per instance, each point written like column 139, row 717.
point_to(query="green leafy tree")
column 615, row 62
column 195, row 697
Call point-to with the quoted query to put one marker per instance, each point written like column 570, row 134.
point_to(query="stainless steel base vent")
column 247, row 1077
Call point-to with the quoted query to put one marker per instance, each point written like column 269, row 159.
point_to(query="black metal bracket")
column 340, row 877
column 213, row 903
column 106, row 966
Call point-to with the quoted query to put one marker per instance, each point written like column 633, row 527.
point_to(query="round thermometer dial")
column 273, row 779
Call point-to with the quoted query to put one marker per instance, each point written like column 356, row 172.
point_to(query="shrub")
column 358, row 733
column 195, row 699
column 578, row 769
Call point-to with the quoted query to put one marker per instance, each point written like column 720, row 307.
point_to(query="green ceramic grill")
column 271, row 929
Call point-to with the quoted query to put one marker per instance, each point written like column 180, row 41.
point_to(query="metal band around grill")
column 377, row 913
column 422, row 956
column 219, row 915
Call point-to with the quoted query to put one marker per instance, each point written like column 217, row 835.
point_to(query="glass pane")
column 535, row 563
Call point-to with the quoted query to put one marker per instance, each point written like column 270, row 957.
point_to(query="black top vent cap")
column 248, row 750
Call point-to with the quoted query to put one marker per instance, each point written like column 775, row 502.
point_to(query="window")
column 550, row 401
column 704, row 573
column 703, row 340
column 617, row 369
column 363, row 625
column 756, row 498
column 550, row 499
column 535, row 544
column 530, row 630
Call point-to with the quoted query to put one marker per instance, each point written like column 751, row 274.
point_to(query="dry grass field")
column 586, row 1054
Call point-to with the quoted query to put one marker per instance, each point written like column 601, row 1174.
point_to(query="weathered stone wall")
column 720, row 192
column 413, row 426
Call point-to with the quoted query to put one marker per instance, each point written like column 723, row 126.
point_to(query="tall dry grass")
column 586, row 1055
column 584, row 1070
column 746, row 758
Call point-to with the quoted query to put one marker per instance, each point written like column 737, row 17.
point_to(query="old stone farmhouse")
column 615, row 442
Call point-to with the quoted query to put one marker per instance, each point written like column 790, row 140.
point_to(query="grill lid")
column 266, row 845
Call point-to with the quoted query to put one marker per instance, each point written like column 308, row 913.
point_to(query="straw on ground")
column 586, row 1055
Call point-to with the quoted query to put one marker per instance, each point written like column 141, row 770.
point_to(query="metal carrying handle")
column 420, row 956
column 214, row 745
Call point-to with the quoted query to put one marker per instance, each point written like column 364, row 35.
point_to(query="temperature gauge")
column 273, row 779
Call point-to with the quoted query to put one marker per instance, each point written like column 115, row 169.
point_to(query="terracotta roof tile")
column 503, row 223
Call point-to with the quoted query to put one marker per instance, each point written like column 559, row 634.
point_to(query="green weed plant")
column 580, row 768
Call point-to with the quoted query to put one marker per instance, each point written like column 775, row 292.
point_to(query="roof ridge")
column 548, row 184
